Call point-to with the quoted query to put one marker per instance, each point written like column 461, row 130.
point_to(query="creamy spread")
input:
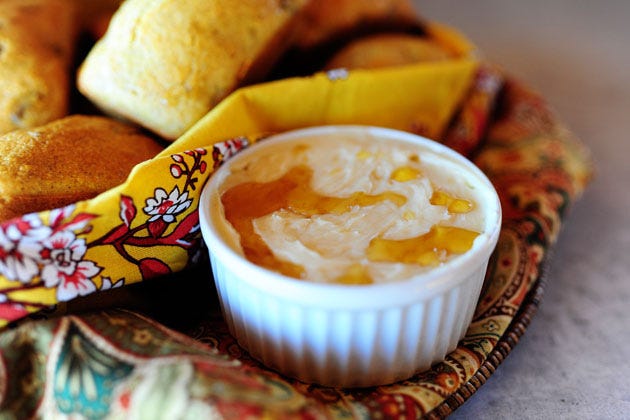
column 348, row 209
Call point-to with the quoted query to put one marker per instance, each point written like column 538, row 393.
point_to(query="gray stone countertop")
column 574, row 360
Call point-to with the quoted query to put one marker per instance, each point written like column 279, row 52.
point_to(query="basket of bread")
column 136, row 101
column 115, row 115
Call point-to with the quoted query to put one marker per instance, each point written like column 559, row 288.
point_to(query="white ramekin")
column 351, row 335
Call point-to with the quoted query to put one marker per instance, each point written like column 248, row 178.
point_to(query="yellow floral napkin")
column 148, row 226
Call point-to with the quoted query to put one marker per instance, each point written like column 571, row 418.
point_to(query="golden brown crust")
column 35, row 61
column 94, row 15
column 89, row 10
column 325, row 21
column 68, row 160
column 386, row 50
column 164, row 64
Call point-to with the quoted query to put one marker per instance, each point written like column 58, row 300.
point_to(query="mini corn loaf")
column 36, row 53
column 325, row 21
column 165, row 63
column 68, row 160
column 388, row 49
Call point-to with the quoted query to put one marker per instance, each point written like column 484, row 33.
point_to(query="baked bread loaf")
column 326, row 21
column 386, row 50
column 65, row 161
column 36, row 53
column 88, row 10
column 94, row 15
column 165, row 63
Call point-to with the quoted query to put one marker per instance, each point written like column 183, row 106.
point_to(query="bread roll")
column 326, row 21
column 165, row 63
column 386, row 50
column 36, row 50
column 88, row 10
column 65, row 161
column 94, row 15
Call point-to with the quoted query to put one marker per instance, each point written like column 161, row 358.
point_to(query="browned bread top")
column 164, row 64
column 37, row 40
column 324, row 21
column 386, row 50
column 68, row 160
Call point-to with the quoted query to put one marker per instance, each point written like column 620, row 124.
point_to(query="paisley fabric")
column 123, row 363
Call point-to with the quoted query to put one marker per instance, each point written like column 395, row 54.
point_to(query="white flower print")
column 62, row 253
column 107, row 283
column 166, row 206
column 20, row 247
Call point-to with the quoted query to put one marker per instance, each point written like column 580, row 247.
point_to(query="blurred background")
column 574, row 359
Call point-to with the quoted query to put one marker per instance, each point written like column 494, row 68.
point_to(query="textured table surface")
column 574, row 359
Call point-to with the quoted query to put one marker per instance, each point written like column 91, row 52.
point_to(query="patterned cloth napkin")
column 148, row 226
column 120, row 363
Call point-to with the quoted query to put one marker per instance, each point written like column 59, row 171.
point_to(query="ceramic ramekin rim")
column 421, row 287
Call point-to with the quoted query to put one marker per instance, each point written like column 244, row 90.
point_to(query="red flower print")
column 10, row 310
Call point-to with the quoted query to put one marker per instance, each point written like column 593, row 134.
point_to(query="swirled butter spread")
column 348, row 210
